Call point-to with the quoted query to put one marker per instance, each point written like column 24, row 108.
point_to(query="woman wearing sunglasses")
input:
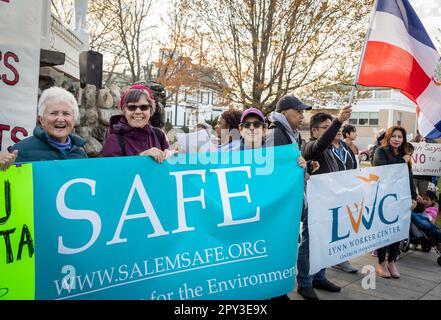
column 252, row 129
column 131, row 134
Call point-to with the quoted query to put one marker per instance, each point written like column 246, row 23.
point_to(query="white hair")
column 58, row 95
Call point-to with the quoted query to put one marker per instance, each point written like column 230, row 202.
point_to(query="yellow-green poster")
column 17, row 247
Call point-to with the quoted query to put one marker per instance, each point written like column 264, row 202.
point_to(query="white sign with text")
column 356, row 211
column 20, row 23
column 426, row 159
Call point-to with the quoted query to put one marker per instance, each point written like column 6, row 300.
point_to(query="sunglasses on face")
column 142, row 107
column 256, row 124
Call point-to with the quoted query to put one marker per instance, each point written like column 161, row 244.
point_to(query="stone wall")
column 96, row 109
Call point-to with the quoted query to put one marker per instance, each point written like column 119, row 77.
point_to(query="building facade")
column 57, row 37
column 194, row 106
column 378, row 109
column 381, row 109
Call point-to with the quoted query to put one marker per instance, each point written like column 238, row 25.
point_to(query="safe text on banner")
column 19, row 69
column 359, row 210
column 426, row 159
column 129, row 228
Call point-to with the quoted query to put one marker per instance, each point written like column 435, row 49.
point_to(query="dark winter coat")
column 321, row 150
column 123, row 140
column 280, row 136
column 384, row 156
column 38, row 148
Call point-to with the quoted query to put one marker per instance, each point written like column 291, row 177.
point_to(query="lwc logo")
column 361, row 215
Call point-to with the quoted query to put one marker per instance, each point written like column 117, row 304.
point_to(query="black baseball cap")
column 291, row 102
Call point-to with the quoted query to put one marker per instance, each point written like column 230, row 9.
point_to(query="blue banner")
column 130, row 228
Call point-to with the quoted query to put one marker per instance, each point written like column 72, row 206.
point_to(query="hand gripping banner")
column 129, row 228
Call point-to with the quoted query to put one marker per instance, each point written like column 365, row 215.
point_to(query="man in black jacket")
column 283, row 130
column 329, row 151
column 285, row 122
column 326, row 146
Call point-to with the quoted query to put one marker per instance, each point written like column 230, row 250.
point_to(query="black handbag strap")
column 122, row 144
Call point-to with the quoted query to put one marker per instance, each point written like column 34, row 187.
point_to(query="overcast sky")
column 429, row 12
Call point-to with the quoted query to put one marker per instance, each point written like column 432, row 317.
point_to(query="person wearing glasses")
column 52, row 138
column 327, row 148
column 131, row 134
column 252, row 129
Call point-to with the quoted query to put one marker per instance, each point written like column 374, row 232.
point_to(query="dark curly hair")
column 347, row 129
column 232, row 118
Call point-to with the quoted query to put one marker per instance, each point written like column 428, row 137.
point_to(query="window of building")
column 399, row 118
column 205, row 97
column 386, row 94
column 364, row 118
column 354, row 118
column 191, row 97
column 373, row 118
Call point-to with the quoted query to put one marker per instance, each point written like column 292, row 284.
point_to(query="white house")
column 194, row 106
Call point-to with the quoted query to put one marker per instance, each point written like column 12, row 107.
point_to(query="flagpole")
column 363, row 51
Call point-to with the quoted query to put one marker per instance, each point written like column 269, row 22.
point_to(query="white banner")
column 20, row 25
column 426, row 159
column 356, row 211
column 198, row 141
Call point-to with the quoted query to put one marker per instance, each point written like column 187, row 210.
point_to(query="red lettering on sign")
column 3, row 127
column 419, row 158
column 15, row 131
column 8, row 56
column 7, row 1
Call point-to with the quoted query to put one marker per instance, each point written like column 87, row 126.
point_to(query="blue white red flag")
column 400, row 54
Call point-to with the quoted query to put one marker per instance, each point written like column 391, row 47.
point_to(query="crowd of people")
column 331, row 148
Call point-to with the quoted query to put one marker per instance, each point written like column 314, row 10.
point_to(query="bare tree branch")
column 268, row 48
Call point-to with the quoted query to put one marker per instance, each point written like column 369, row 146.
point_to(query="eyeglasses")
column 142, row 107
column 256, row 124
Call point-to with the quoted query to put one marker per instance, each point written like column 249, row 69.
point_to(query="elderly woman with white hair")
column 53, row 138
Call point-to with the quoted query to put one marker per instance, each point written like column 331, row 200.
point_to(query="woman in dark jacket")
column 53, row 138
column 131, row 134
column 394, row 149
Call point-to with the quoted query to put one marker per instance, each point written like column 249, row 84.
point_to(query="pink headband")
column 138, row 87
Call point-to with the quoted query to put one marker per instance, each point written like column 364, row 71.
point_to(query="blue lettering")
column 368, row 223
column 380, row 209
column 335, row 236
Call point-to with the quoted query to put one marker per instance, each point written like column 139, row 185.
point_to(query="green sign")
column 17, row 247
